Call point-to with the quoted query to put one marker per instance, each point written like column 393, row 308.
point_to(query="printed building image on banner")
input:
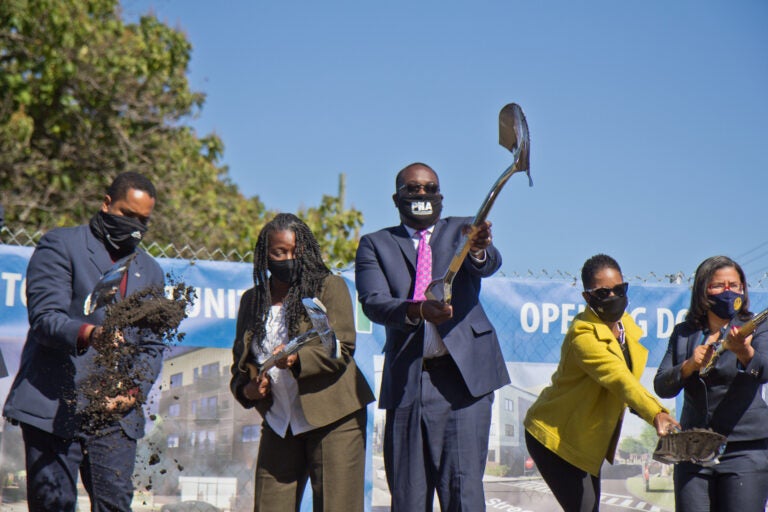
column 201, row 445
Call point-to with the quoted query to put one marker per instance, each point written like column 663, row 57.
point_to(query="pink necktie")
column 423, row 266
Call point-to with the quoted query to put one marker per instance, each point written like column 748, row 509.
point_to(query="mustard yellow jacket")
column 579, row 415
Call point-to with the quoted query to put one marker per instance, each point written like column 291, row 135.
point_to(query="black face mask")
column 726, row 304
column 120, row 234
column 420, row 211
column 608, row 310
column 284, row 270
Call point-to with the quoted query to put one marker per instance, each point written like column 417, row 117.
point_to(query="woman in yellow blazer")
column 575, row 423
column 313, row 403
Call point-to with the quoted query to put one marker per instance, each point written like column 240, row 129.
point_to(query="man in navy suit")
column 442, row 362
column 67, row 422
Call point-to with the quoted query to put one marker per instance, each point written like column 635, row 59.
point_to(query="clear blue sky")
column 647, row 119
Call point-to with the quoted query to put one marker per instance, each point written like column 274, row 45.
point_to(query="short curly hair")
column 125, row 181
column 594, row 265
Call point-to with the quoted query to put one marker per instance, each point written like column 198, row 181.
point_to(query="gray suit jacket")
column 48, row 391
column 384, row 268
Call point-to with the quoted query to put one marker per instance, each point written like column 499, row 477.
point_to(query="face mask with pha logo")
column 420, row 211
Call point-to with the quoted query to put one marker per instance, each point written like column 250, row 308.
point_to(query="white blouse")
column 286, row 407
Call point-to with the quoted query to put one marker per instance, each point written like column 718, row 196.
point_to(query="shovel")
column 321, row 328
column 721, row 346
column 106, row 288
column 513, row 135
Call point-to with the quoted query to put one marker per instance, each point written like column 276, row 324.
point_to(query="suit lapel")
column 693, row 340
column 638, row 354
column 442, row 249
column 134, row 275
column 96, row 252
column 103, row 262
column 405, row 242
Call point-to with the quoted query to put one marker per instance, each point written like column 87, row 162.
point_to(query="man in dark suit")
column 442, row 362
column 68, row 425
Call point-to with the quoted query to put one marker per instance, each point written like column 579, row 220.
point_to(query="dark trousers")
column 331, row 457
column 105, row 462
column 739, row 483
column 575, row 489
column 438, row 443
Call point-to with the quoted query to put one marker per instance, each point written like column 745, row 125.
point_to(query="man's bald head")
column 412, row 172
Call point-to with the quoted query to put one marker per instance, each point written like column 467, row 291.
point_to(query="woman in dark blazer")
column 313, row 403
column 727, row 398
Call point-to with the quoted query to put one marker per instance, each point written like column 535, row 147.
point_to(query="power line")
column 751, row 250
column 756, row 258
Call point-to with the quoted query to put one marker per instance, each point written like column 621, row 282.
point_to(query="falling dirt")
column 149, row 313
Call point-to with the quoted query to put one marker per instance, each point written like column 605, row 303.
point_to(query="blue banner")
column 531, row 317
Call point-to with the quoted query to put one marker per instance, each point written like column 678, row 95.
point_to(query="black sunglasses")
column 414, row 188
column 620, row 290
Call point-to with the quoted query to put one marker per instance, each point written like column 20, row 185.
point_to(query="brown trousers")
column 331, row 457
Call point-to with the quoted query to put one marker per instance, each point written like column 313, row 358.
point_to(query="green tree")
column 649, row 438
column 84, row 95
column 632, row 445
column 644, row 443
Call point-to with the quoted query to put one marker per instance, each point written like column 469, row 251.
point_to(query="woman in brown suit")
column 313, row 403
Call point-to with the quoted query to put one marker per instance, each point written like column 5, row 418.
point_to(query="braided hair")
column 310, row 268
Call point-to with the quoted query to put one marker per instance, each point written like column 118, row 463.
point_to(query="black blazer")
column 729, row 399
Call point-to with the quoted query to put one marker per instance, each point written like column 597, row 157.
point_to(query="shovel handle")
column 746, row 329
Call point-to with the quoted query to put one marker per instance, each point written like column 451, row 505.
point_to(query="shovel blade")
column 107, row 286
column 440, row 290
column 513, row 135
column 320, row 323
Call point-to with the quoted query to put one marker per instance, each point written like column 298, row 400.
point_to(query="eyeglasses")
column 721, row 287
column 620, row 290
column 415, row 188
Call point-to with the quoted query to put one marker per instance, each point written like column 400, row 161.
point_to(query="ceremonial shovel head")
column 513, row 135
column 321, row 328
column 107, row 286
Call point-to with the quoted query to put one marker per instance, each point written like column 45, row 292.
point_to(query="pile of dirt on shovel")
column 151, row 309
column 154, row 312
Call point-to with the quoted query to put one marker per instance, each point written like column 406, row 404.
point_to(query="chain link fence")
column 25, row 238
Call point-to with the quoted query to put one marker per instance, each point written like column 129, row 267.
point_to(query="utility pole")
column 342, row 189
